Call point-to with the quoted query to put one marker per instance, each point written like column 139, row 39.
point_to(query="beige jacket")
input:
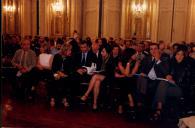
column 30, row 58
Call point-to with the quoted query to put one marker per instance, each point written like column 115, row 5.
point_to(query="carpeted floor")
column 38, row 114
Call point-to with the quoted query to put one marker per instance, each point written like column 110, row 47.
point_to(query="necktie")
column 83, row 59
column 23, row 60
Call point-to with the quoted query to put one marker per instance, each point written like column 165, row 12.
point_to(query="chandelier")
column 9, row 9
column 139, row 8
column 58, row 7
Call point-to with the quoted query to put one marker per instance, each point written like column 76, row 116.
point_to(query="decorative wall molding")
column 111, row 18
column 90, row 18
column 11, row 16
column 75, row 16
column 117, row 19
column 191, row 22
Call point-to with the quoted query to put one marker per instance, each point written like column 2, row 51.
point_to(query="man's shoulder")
column 32, row 52
column 91, row 54
column 19, row 50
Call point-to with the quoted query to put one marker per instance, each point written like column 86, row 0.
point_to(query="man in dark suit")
column 84, row 58
column 154, row 66
column 97, row 51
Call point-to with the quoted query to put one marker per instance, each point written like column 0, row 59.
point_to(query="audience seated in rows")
column 140, row 69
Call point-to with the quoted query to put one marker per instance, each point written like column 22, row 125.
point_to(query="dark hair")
column 46, row 39
column 154, row 44
column 111, row 38
column 127, row 54
column 104, row 41
column 115, row 45
column 161, row 42
column 142, row 43
column 60, row 41
column 85, row 42
column 192, row 46
column 51, row 42
column 178, row 50
column 96, row 40
column 111, row 43
column 88, row 39
column 183, row 48
column 107, row 48
column 75, row 47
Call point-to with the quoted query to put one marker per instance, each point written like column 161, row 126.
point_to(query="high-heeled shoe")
column 132, row 113
column 156, row 116
column 84, row 97
column 94, row 108
column 65, row 103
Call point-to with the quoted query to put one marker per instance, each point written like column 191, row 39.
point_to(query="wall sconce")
column 139, row 8
column 10, row 9
column 58, row 7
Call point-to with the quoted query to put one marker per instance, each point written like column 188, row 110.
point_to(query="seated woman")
column 61, row 68
column 44, row 62
column 178, row 84
column 42, row 70
column 107, row 73
column 125, row 78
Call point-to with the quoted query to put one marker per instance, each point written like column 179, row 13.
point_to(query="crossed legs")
column 94, row 85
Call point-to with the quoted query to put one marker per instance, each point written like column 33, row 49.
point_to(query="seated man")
column 152, row 67
column 24, row 60
column 83, row 58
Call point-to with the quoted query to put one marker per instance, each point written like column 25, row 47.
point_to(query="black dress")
column 127, row 86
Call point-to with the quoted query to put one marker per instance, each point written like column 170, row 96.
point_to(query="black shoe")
column 95, row 109
column 131, row 113
column 156, row 116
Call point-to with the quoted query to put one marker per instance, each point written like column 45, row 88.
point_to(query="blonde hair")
column 66, row 47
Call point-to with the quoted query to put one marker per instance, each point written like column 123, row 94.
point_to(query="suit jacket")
column 91, row 58
column 30, row 58
column 98, row 59
column 161, row 69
